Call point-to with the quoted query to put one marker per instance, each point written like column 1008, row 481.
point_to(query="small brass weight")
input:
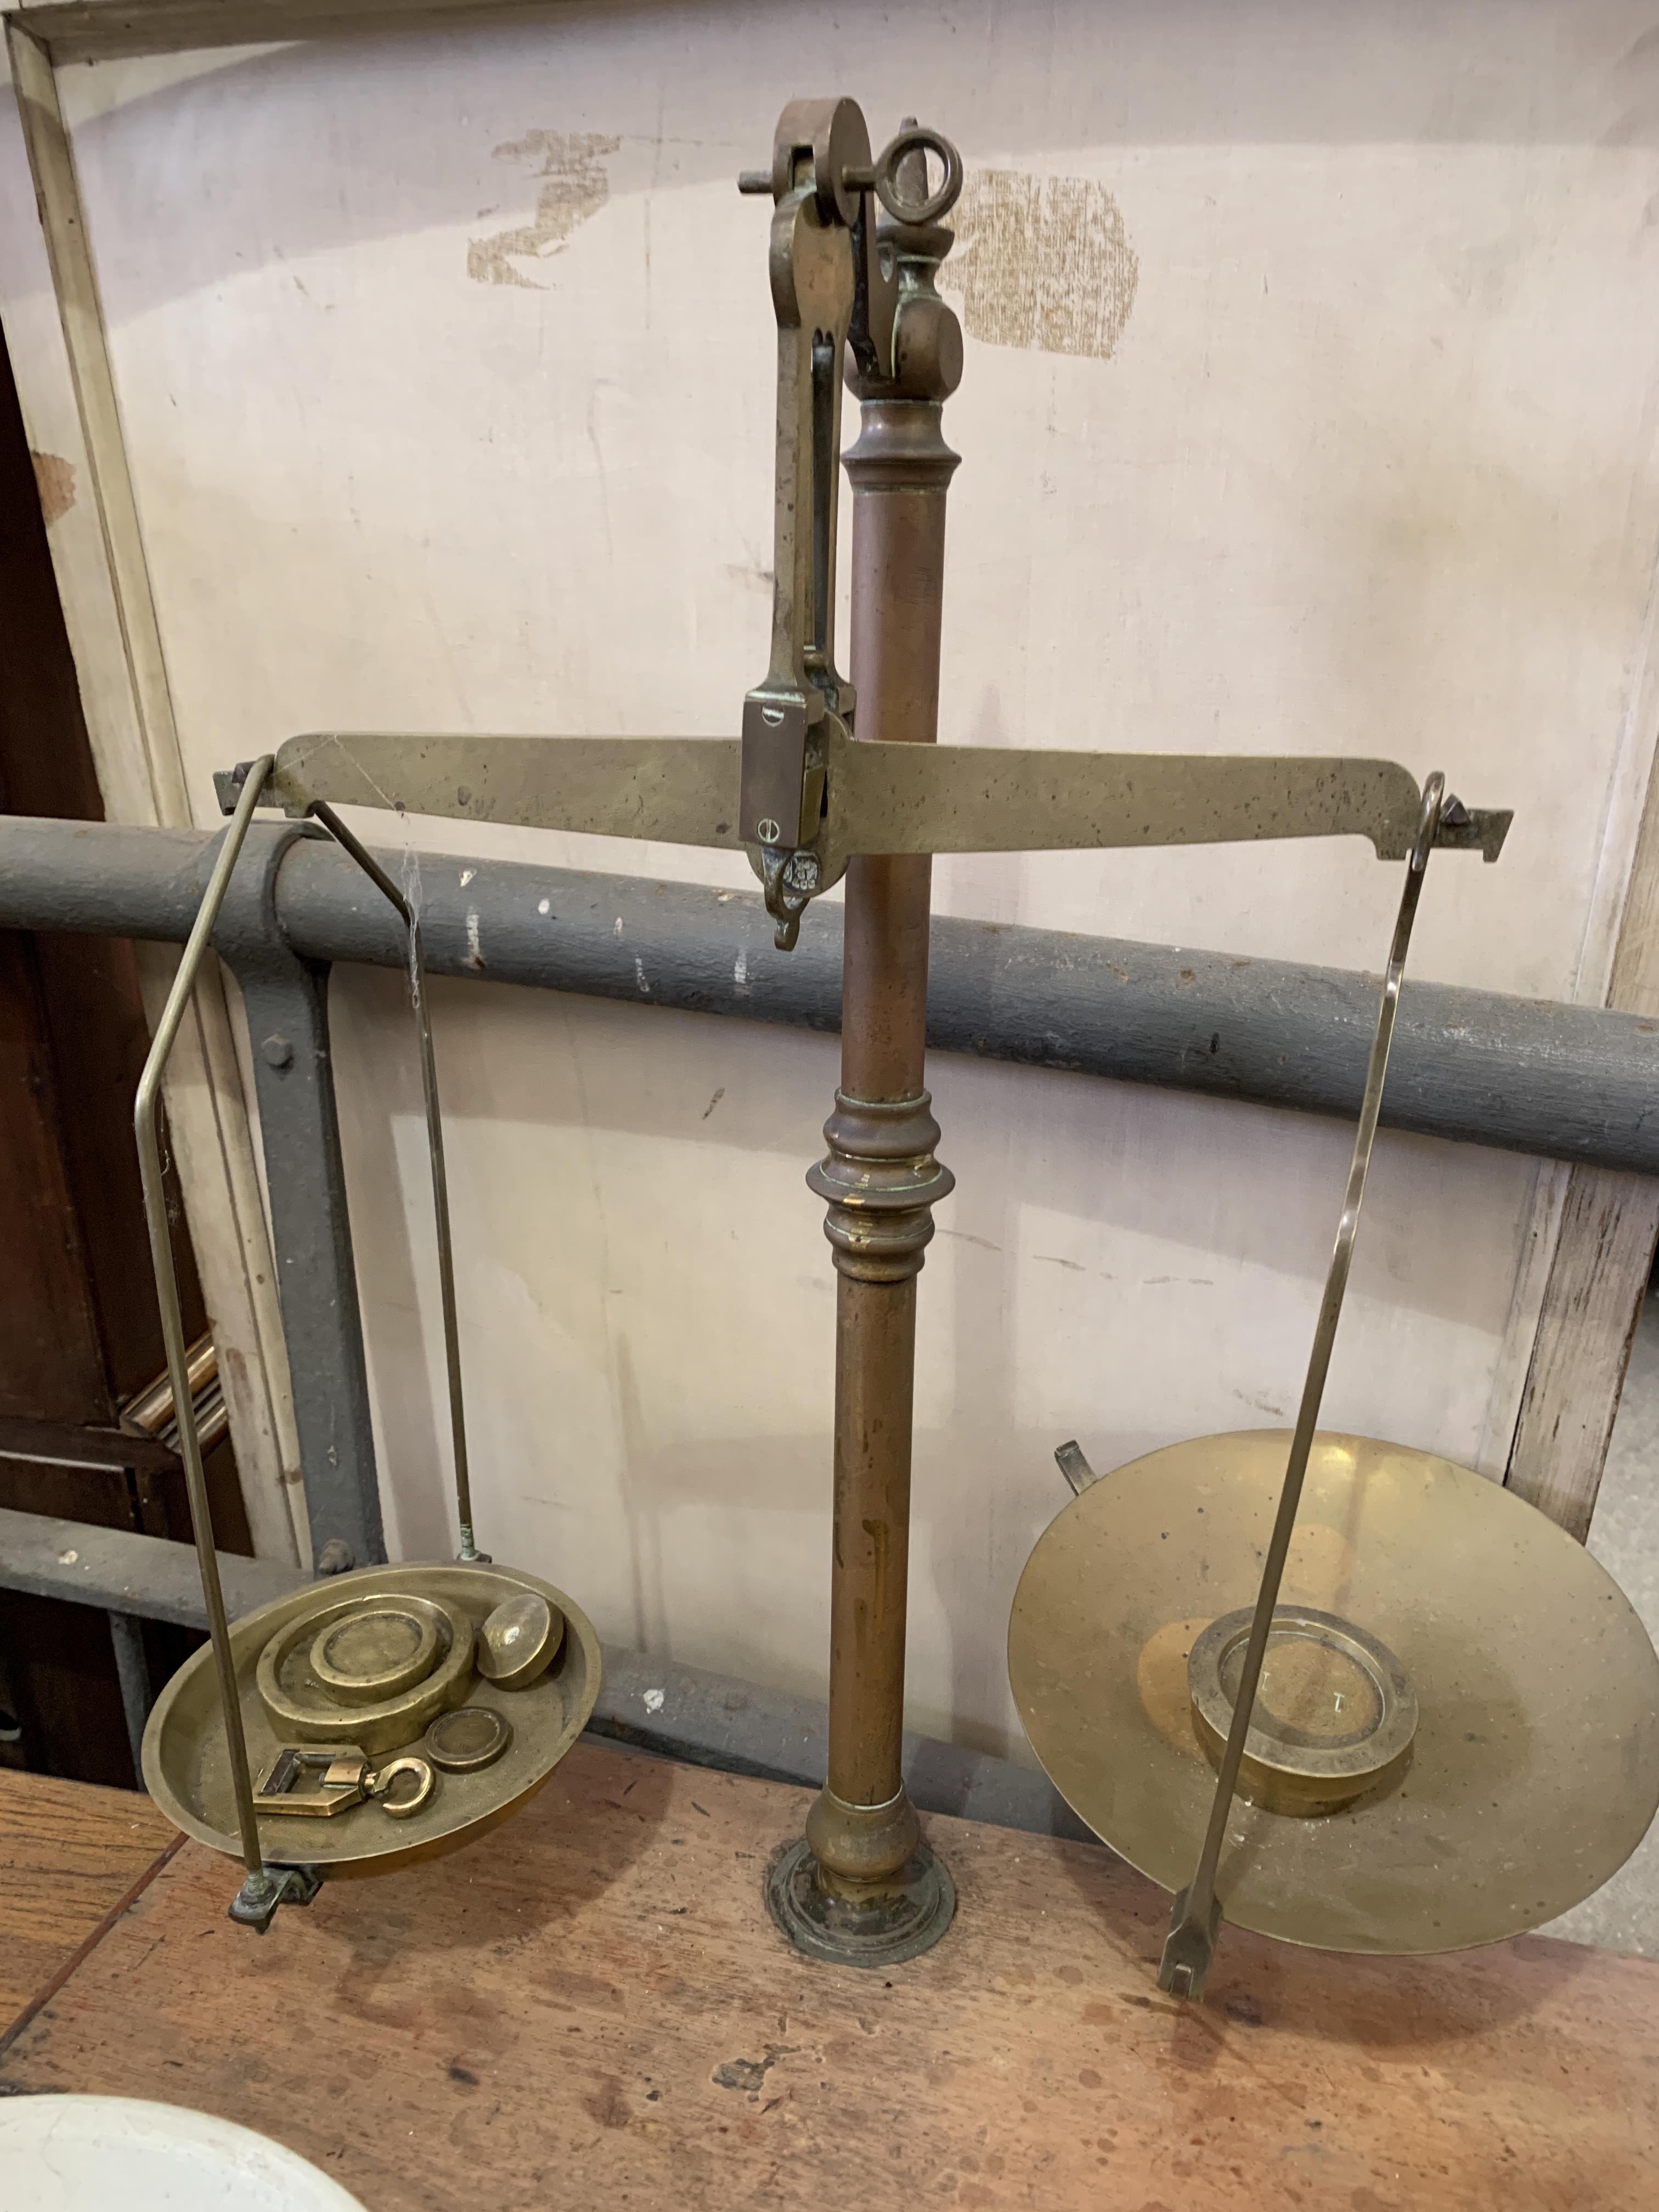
column 834, row 777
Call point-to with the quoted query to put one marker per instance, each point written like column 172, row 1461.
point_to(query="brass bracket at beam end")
column 1070, row 1460
column 227, row 787
column 1472, row 830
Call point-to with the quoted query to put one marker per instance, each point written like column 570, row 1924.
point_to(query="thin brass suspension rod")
column 434, row 1141
column 1195, row 1918
column 264, row 1887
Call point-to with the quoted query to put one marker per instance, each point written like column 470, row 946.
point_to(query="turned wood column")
column 880, row 1177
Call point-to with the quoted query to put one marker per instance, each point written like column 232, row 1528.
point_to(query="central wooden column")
column 864, row 1887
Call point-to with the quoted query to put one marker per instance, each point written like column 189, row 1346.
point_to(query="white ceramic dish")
column 87, row 2153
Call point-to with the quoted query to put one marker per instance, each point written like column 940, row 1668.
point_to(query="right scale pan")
column 1497, row 1680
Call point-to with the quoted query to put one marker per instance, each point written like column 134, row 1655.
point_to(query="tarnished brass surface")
column 865, row 1889
column 300, row 1703
column 373, row 1652
column 1335, row 1716
column 677, row 791
column 883, row 796
column 519, row 1641
column 185, row 1762
column 908, row 1917
column 462, row 1742
column 403, row 1805
column 1535, row 1771
column 322, row 1781
column 316, row 1781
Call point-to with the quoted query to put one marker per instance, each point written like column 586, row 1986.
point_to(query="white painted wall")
column 1368, row 468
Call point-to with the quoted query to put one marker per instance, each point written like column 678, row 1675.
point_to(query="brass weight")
column 492, row 1745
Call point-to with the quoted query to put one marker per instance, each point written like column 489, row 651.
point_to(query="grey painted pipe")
column 1572, row 1083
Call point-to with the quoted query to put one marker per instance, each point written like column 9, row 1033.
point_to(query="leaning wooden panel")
column 99, row 558
column 100, row 30
column 597, row 2013
column 1603, row 1257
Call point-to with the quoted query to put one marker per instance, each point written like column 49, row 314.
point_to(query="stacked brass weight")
column 390, row 1715
column 1531, row 1767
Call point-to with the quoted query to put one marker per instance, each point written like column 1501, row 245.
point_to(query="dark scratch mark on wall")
column 1041, row 262
column 574, row 188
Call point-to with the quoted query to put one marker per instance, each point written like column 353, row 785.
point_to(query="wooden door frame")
column 67, row 395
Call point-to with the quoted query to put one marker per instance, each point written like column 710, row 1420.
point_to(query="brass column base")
column 905, row 1916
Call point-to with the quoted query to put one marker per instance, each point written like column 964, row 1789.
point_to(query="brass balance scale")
column 1445, row 1732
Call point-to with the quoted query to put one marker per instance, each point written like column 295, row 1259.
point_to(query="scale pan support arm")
column 879, row 798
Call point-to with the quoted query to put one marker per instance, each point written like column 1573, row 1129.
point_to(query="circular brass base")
column 1534, row 1768
column 900, row 1924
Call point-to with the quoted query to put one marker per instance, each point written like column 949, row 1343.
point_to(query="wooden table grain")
column 590, row 2009
column 70, row 1855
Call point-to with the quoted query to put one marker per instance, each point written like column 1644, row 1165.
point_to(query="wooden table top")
column 70, row 1855
column 590, row 2009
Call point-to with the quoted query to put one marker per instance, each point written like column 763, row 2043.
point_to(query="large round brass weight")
column 1532, row 1771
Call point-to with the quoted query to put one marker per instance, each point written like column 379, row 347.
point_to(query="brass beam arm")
column 880, row 798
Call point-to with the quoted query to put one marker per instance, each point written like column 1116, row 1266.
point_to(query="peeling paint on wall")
column 575, row 187
column 1041, row 262
column 54, row 480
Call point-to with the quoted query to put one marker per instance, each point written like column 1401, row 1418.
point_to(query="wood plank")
column 93, row 1035
column 591, row 2007
column 69, row 1855
column 54, row 1365
column 82, row 1445
column 1597, row 1281
column 1604, row 1249
column 92, row 30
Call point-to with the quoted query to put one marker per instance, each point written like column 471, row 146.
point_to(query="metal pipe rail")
column 1579, row 1084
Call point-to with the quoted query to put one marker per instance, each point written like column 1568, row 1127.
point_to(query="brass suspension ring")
column 884, row 179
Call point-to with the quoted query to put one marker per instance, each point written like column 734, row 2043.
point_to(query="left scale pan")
column 364, row 1671
column 370, row 1719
